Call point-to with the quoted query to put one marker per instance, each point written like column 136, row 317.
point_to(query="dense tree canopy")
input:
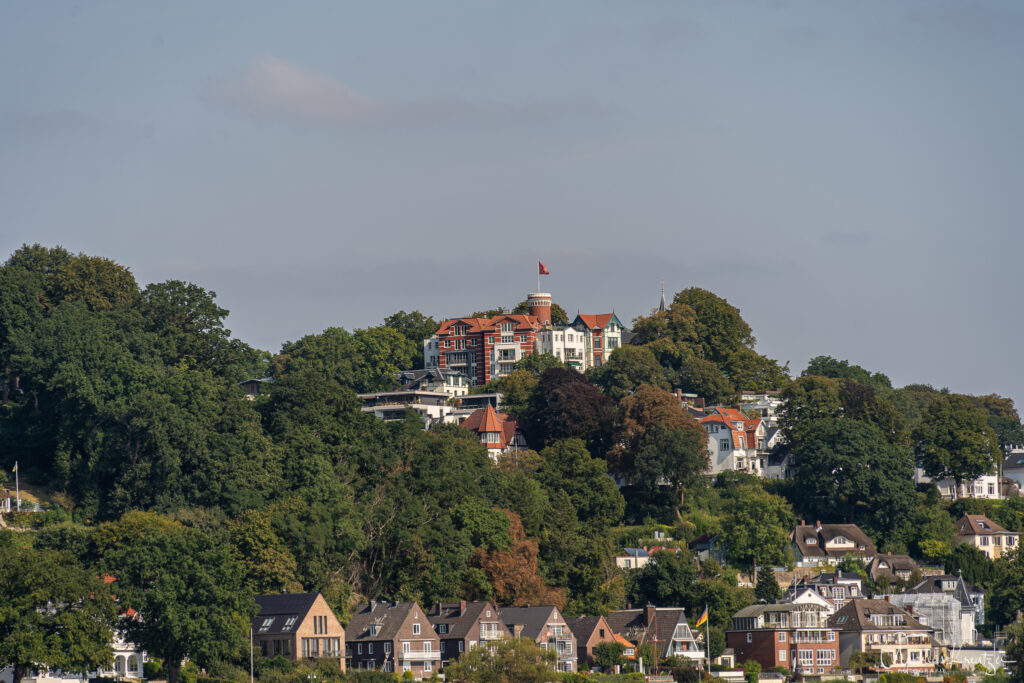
column 954, row 440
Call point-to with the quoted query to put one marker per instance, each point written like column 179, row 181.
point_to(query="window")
column 277, row 647
column 806, row 657
column 489, row 615
column 750, row 637
column 266, row 624
column 287, row 647
column 263, row 648
column 461, row 645
column 359, row 649
column 369, row 648
column 387, row 647
column 984, row 540
column 406, row 647
column 723, row 445
column 373, row 629
column 426, row 646
column 782, row 655
column 415, row 629
column 825, row 657
column 289, row 624
column 832, row 634
column 507, row 339
column 427, row 665
column 782, row 636
column 811, row 541
column 442, row 628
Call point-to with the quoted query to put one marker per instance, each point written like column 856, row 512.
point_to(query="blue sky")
column 850, row 175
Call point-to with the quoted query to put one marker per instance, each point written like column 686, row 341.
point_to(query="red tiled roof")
column 978, row 525
column 596, row 321
column 487, row 420
column 478, row 325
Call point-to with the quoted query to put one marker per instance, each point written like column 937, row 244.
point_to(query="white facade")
column 567, row 344
column 127, row 662
column 765, row 404
column 432, row 406
column 732, row 446
column 985, row 486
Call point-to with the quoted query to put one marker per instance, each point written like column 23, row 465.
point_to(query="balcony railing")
column 419, row 656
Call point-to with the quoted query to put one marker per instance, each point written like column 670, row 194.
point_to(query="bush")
column 153, row 668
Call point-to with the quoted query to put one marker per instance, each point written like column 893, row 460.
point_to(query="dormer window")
column 267, row 623
column 373, row 629
column 811, row 541
column 289, row 624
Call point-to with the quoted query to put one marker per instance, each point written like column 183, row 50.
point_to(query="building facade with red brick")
column 796, row 636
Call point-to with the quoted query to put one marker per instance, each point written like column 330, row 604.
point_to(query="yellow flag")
column 15, row 467
column 703, row 618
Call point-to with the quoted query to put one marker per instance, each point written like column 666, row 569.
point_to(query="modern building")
column 297, row 626
column 794, row 635
column 450, row 382
column 393, row 637
column 632, row 558
column 432, row 406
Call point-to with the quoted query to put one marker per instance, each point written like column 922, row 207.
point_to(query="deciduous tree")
column 955, row 441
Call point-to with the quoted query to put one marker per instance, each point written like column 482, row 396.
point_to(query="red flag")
column 542, row 269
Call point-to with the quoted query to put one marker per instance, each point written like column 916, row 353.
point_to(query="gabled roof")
column 388, row 617
column 279, row 608
column 624, row 643
column 827, row 532
column 634, row 625
column 634, row 552
column 532, row 619
column 461, row 617
column 487, row 420
column 597, row 321
column 962, row 590
column 583, row 627
column 892, row 564
column 477, row 325
column 856, row 616
column 979, row 525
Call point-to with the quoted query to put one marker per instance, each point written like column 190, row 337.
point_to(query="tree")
column 668, row 579
column 718, row 327
column 515, row 660
column 414, row 326
column 805, row 400
column 626, row 369
column 862, row 402
column 53, row 612
column 1006, row 592
column 645, row 408
column 568, row 466
column 188, row 590
column 767, row 588
column 566, row 406
column 827, row 366
column 757, row 530
column 537, row 363
column 847, row 470
column 677, row 456
column 955, row 441
column 608, row 654
column 863, row 659
column 517, row 387
column 365, row 360
column 750, row 371
column 975, row 566
column 1015, row 650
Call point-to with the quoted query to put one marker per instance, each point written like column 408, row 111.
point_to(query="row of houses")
column 401, row 636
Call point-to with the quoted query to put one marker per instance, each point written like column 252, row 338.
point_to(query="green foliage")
column 627, row 368
column 1005, row 596
column 756, row 532
column 517, row 387
column 518, row 659
column 537, row 363
column 1015, row 651
column 414, row 326
column 566, row 406
column 53, row 612
column 609, row 654
column 827, row 366
column 767, row 587
column 954, row 440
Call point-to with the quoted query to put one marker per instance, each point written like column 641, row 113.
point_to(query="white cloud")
column 276, row 88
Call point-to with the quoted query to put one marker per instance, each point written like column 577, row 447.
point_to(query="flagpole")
column 17, row 485
column 707, row 630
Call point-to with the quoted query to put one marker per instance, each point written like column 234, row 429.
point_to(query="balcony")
column 419, row 656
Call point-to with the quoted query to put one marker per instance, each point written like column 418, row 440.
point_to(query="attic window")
column 373, row 629
column 266, row 624
column 289, row 624
column 811, row 541
column 841, row 619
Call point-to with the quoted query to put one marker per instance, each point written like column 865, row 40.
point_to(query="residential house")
column 632, row 558
column 801, row 594
column 892, row 567
column 780, row 463
column 902, row 642
column 794, row 635
column 567, row 344
column 602, row 335
column 837, row 588
column 254, row 387
column 547, row 627
column 1013, row 466
column 708, row 546
column 829, row 543
column 735, row 441
column 985, row 486
column 461, row 626
column 498, row 432
column 393, row 636
column 590, row 632
column 947, row 604
column 986, row 535
column 450, row 382
column 766, row 404
column 666, row 627
column 432, row 406
column 482, row 348
column 297, row 626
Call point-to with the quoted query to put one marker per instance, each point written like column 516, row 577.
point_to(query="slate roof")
column 460, row 620
column 634, row 552
column 630, row 623
column 979, row 525
column 533, row 619
column 933, row 584
column 582, row 627
column 388, row 616
column 1014, row 462
column 856, row 616
column 280, row 607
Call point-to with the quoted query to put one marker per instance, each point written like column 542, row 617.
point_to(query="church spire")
column 662, row 307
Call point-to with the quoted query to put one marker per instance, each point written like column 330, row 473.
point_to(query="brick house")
column 590, row 632
column 793, row 635
column 393, row 636
column 297, row 626
column 461, row 626
column 545, row 625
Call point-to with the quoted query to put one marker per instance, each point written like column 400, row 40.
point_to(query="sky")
column 850, row 175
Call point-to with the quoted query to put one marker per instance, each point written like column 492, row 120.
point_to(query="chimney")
column 517, row 630
column 462, row 607
column 649, row 613
column 803, row 522
column 887, row 598
column 817, row 525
